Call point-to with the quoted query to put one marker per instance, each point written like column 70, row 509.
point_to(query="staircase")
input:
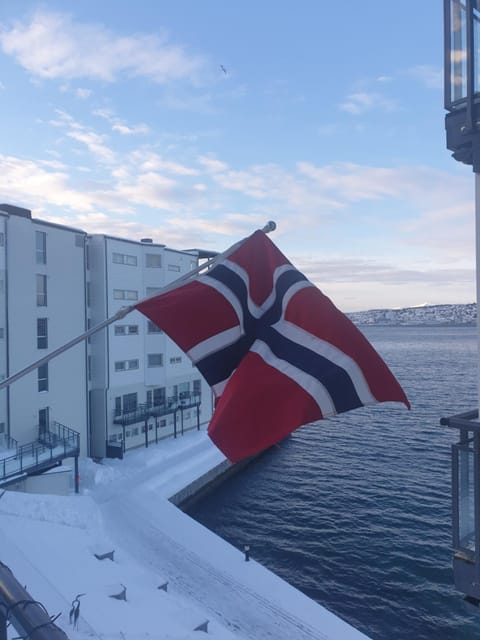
column 53, row 445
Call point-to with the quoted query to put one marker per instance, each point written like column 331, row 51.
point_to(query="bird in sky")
column 223, row 69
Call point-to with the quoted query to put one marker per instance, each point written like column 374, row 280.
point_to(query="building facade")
column 143, row 387
column 42, row 306
column 128, row 385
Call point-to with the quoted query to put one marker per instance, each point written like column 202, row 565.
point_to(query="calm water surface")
column 355, row 511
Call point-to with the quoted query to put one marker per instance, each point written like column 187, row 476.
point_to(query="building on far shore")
column 127, row 385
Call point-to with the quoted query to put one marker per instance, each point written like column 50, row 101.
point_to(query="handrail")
column 32, row 455
column 28, row 616
column 145, row 411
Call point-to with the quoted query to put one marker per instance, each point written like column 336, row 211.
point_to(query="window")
column 129, row 402
column 2, row 427
column 152, row 327
column 152, row 291
column 156, row 397
column 41, row 247
column 159, row 396
column 42, row 333
column 118, row 406
column 122, row 258
column 197, row 387
column 173, row 267
column 43, row 377
column 153, row 260
column 175, row 360
column 126, row 365
column 2, row 239
column 184, row 390
column 41, row 291
column 135, row 431
column 126, row 329
column 155, row 359
column 43, row 419
column 125, row 294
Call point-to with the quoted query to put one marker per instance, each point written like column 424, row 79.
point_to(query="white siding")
column 65, row 310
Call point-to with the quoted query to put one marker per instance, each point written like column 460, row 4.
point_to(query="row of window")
column 135, row 431
column 153, row 260
column 132, row 329
column 153, row 360
column 155, row 397
column 118, row 294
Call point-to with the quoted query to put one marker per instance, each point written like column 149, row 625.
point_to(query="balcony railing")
column 466, row 503
column 53, row 445
column 144, row 411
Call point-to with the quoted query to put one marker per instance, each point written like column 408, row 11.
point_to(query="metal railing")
column 54, row 444
column 28, row 616
column 145, row 411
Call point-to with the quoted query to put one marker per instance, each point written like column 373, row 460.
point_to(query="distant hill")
column 432, row 315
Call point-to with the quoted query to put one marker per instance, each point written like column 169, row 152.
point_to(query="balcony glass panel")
column 466, row 500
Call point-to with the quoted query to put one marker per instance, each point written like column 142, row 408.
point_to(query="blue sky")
column 327, row 117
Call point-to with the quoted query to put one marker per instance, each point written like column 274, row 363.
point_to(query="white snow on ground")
column 49, row 543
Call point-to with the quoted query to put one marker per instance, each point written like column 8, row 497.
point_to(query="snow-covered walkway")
column 48, row 541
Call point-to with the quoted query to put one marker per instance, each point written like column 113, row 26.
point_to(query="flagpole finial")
column 270, row 226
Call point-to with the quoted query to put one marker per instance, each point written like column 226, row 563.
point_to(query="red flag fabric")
column 275, row 350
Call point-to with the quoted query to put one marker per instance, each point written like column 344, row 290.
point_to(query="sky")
column 194, row 123
column 123, row 506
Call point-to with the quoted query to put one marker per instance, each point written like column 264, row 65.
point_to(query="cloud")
column 34, row 183
column 52, row 46
column 94, row 143
column 118, row 125
column 362, row 101
column 126, row 130
column 150, row 161
column 212, row 165
column 431, row 77
column 83, row 93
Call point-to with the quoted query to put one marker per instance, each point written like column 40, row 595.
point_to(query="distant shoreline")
column 439, row 315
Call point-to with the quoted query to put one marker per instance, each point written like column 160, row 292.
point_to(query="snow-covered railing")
column 28, row 617
column 53, row 445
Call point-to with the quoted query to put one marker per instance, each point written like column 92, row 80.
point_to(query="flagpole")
column 121, row 313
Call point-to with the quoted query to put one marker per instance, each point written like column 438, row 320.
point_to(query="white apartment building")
column 143, row 387
column 128, row 385
column 42, row 306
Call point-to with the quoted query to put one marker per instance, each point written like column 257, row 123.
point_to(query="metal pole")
column 28, row 616
column 77, row 478
column 477, row 252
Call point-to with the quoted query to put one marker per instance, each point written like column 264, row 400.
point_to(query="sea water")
column 355, row 511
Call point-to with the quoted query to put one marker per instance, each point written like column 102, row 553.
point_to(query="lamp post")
column 462, row 124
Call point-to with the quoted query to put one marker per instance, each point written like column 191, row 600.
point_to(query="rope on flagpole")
column 121, row 313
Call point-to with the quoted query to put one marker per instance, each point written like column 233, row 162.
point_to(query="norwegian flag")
column 276, row 352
